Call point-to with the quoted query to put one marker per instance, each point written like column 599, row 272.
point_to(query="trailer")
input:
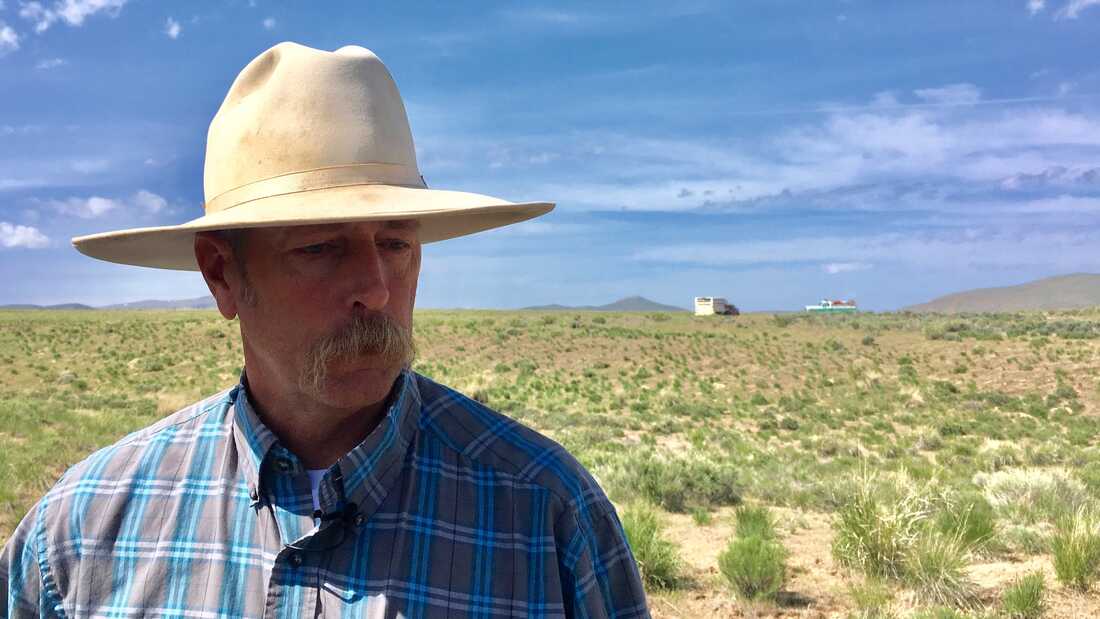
column 710, row 306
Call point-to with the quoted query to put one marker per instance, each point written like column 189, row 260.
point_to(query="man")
column 332, row 481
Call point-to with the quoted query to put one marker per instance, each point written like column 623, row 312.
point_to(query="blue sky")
column 771, row 152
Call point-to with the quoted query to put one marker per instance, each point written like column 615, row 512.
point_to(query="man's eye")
column 315, row 249
column 394, row 244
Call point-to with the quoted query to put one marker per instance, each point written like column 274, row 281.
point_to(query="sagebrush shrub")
column 1031, row 495
column 676, row 483
column 754, row 566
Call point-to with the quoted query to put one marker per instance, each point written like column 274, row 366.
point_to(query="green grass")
column 872, row 599
column 1025, row 598
column 754, row 566
column 875, row 535
column 657, row 558
column 754, row 521
column 936, row 571
column 989, row 419
column 1075, row 546
column 971, row 519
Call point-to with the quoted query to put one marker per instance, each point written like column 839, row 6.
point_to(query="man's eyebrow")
column 402, row 224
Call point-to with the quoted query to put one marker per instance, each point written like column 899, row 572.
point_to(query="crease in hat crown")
column 307, row 136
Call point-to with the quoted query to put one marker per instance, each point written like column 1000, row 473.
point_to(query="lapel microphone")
column 347, row 514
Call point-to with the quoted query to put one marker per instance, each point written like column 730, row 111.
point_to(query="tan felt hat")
column 307, row 136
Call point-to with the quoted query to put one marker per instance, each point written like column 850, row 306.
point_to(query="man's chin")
column 357, row 386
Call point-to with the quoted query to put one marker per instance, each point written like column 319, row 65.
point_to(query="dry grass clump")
column 1029, row 495
column 875, row 536
column 890, row 533
column 935, row 569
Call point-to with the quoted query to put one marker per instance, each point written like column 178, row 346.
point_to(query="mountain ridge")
column 627, row 304
column 1060, row 292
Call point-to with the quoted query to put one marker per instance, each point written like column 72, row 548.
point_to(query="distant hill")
column 629, row 304
column 206, row 302
column 60, row 306
column 1053, row 293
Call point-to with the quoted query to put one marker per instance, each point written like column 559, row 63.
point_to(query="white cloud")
column 851, row 148
column 172, row 28
column 940, row 149
column 149, row 201
column 538, row 228
column 91, row 166
column 50, row 63
column 834, row 268
column 886, row 98
column 1035, row 6
column 72, row 12
column 1056, row 177
column 9, row 40
column 269, row 23
column 95, row 206
column 19, row 130
column 1073, row 8
column 952, row 94
column 84, row 208
column 949, row 251
column 12, row 235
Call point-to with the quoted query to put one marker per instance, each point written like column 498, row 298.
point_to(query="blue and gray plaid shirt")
column 446, row 509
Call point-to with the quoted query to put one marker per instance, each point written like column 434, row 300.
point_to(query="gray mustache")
column 375, row 335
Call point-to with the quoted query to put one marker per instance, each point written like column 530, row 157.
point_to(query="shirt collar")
column 368, row 470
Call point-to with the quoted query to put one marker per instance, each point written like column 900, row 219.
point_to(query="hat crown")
column 295, row 109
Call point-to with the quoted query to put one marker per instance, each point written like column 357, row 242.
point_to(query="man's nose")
column 369, row 279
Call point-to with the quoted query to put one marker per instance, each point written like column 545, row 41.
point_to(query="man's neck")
column 318, row 434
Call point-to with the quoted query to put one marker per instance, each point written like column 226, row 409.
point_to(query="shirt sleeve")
column 20, row 575
column 599, row 574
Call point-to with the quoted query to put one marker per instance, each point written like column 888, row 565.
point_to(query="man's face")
column 326, row 310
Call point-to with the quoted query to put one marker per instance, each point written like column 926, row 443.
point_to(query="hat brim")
column 442, row 215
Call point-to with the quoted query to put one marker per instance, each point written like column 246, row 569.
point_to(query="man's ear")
column 214, row 255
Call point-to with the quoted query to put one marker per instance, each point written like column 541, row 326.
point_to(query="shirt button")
column 295, row 559
column 282, row 465
column 359, row 520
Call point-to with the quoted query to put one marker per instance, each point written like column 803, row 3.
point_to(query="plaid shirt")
column 446, row 509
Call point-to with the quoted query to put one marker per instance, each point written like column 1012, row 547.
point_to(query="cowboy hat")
column 307, row 136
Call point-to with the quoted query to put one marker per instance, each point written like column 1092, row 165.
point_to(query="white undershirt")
column 315, row 476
